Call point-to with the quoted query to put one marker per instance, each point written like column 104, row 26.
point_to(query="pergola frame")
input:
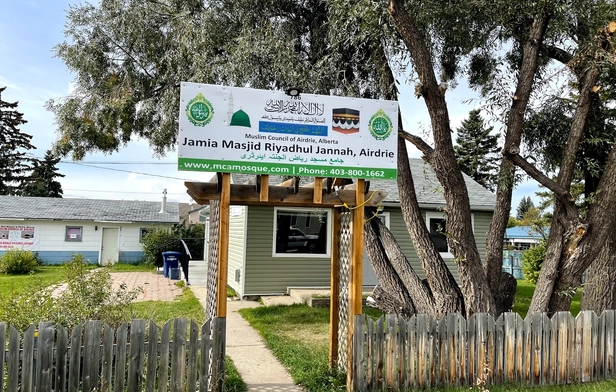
column 322, row 192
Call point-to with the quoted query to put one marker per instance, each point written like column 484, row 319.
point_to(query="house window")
column 436, row 223
column 311, row 238
column 142, row 232
column 73, row 233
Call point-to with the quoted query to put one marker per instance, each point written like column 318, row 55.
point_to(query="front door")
column 109, row 247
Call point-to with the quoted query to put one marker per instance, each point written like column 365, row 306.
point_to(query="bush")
column 88, row 295
column 532, row 259
column 155, row 242
column 161, row 239
column 18, row 262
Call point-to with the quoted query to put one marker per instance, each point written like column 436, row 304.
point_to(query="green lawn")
column 43, row 276
column 524, row 295
column 186, row 305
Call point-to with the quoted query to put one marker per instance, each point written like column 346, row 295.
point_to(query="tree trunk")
column 513, row 137
column 477, row 294
column 600, row 285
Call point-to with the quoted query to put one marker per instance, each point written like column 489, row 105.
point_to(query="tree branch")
column 535, row 173
column 558, row 54
column 417, row 142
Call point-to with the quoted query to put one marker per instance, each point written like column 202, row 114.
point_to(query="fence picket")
column 107, row 358
column 218, row 353
column 178, row 355
column 390, row 341
column 74, row 359
column 2, row 352
column 608, row 342
column 27, row 361
column 206, row 352
column 358, row 353
column 137, row 352
column 193, row 352
column 120, row 361
column 61, row 357
column 92, row 341
column 499, row 350
column 400, row 352
column 411, row 333
column 150, row 371
column 44, row 357
column 13, row 360
column 163, row 367
column 370, row 354
column 380, row 359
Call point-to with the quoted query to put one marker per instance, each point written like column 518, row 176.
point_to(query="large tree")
column 523, row 207
column 43, row 178
column 477, row 150
column 15, row 164
column 129, row 58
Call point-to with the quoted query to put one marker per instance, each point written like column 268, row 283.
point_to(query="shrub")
column 161, row 239
column 88, row 295
column 157, row 241
column 18, row 262
column 532, row 259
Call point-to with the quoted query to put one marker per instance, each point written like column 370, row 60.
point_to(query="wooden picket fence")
column 180, row 356
column 423, row 352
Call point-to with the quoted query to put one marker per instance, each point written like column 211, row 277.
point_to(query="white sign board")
column 18, row 236
column 240, row 130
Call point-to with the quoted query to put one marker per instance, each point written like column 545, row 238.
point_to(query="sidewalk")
column 259, row 369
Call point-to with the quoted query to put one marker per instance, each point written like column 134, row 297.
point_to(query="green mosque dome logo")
column 240, row 119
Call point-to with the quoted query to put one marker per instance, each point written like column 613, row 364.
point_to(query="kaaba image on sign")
column 345, row 120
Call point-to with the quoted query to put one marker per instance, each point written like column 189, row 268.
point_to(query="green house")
column 273, row 249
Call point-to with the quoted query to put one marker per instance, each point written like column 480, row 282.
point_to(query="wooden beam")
column 243, row 194
column 288, row 182
column 264, row 194
column 223, row 245
column 355, row 283
column 334, row 290
column 317, row 194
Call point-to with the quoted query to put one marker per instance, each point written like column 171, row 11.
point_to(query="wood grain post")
column 355, row 281
column 223, row 246
column 334, row 304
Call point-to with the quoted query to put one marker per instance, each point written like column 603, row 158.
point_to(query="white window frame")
column 68, row 238
column 387, row 217
column 328, row 252
column 440, row 215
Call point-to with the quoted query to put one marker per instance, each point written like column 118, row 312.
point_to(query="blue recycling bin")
column 170, row 260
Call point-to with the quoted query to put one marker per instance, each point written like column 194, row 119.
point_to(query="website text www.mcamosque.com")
column 236, row 168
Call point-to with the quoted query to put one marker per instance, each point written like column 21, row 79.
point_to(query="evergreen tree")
column 15, row 165
column 477, row 149
column 526, row 204
column 43, row 182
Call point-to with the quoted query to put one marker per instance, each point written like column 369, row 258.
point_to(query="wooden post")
column 355, row 281
column 334, row 290
column 223, row 246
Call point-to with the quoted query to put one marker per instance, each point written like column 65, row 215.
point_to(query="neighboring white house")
column 103, row 231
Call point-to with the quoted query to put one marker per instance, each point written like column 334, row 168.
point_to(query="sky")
column 29, row 29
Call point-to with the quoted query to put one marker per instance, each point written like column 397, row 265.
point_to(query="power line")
column 131, row 171
column 107, row 191
column 119, row 162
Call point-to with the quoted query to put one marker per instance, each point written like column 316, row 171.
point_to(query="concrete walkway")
column 259, row 369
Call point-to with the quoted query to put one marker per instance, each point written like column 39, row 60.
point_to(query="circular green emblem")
column 380, row 125
column 199, row 111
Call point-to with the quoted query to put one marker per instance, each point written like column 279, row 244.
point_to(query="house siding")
column 265, row 274
column 237, row 249
column 53, row 249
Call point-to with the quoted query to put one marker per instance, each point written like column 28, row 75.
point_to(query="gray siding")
column 272, row 275
column 236, row 248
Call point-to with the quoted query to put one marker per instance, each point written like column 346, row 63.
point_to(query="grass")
column 186, row 305
column 43, row 276
column 524, row 295
column 125, row 267
column 233, row 379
